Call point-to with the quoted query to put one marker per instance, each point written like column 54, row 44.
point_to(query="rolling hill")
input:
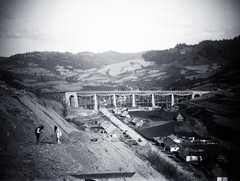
column 209, row 65
column 206, row 66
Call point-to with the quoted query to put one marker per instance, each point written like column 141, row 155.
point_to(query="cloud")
column 5, row 18
column 136, row 25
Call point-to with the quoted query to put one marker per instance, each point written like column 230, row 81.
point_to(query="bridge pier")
column 133, row 101
column 172, row 99
column 114, row 100
column 95, row 102
column 193, row 96
column 153, row 101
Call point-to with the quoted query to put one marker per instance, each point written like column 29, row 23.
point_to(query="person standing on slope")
column 58, row 134
column 38, row 131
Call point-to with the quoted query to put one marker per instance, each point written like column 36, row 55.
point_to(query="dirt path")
column 125, row 128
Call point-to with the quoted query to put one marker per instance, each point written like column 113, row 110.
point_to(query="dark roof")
column 222, row 157
column 170, row 143
column 218, row 171
column 186, row 151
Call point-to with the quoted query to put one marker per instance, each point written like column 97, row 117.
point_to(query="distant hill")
column 205, row 66
column 83, row 60
column 192, row 54
column 207, row 63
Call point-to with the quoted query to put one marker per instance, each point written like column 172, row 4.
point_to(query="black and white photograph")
column 119, row 90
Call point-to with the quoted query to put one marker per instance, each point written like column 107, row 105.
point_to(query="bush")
column 163, row 166
column 166, row 168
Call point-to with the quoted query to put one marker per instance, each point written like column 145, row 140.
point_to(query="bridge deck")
column 156, row 92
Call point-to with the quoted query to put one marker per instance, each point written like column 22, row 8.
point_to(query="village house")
column 222, row 158
column 178, row 117
column 214, row 169
column 166, row 143
column 158, row 141
column 219, row 173
column 125, row 114
column 175, row 138
column 216, row 163
column 170, row 145
column 137, row 122
column 190, row 155
column 111, row 129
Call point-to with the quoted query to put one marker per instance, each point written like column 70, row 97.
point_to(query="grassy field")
column 173, row 127
column 133, row 73
column 165, row 126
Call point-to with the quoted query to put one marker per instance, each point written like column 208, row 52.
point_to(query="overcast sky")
column 119, row 25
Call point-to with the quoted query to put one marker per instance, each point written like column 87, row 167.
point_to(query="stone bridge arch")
column 197, row 94
column 71, row 99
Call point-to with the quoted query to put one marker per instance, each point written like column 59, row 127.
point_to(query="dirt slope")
column 21, row 112
column 77, row 155
column 21, row 159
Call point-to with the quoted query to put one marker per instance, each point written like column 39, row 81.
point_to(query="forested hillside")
column 223, row 53
column 190, row 54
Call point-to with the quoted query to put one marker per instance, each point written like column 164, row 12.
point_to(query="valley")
column 92, row 143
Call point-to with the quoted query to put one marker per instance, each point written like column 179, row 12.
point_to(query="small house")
column 137, row 122
column 111, row 129
column 175, row 138
column 125, row 114
column 222, row 158
column 213, row 168
column 190, row 155
column 170, row 145
column 178, row 117
column 159, row 141
column 219, row 173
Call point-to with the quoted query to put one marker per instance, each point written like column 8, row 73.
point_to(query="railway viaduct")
column 96, row 99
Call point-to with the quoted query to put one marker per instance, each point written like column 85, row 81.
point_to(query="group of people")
column 57, row 132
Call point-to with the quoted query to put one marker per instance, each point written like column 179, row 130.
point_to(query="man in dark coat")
column 38, row 131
